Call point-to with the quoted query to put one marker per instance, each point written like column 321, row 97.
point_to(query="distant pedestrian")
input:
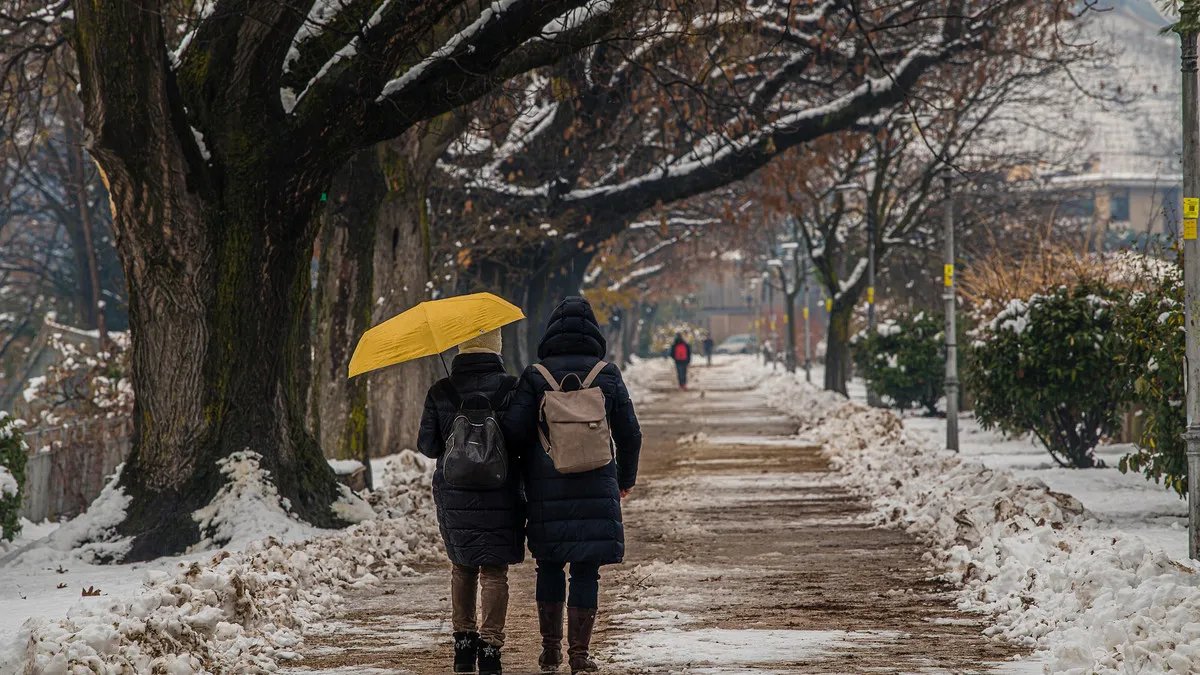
column 707, row 345
column 575, row 513
column 768, row 353
column 479, row 507
column 681, row 353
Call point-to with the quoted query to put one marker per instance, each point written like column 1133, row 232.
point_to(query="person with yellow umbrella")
column 476, row 485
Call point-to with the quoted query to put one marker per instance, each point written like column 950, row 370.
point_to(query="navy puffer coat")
column 481, row 528
column 574, row 517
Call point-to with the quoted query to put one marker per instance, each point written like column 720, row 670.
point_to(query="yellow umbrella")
column 431, row 328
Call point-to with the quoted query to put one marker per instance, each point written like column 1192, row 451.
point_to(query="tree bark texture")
column 215, row 256
column 343, row 308
column 402, row 279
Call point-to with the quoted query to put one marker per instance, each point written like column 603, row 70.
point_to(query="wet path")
column 744, row 555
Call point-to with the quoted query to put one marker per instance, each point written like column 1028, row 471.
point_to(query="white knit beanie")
column 487, row 343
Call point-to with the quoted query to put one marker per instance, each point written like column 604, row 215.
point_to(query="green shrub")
column 1152, row 325
column 905, row 360
column 1049, row 366
column 12, row 476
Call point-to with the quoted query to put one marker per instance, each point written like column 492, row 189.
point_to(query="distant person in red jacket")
column 681, row 353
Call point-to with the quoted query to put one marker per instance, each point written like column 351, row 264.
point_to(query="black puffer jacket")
column 574, row 517
column 480, row 527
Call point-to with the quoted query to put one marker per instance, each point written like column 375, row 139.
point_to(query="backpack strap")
column 548, row 377
column 591, row 377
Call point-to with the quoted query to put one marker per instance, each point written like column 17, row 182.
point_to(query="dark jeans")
column 585, row 584
column 681, row 372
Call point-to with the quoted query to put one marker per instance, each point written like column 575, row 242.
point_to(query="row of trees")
column 436, row 147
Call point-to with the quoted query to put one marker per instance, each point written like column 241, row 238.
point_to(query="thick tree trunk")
column 343, row 309
column 216, row 257
column 402, row 279
column 554, row 279
column 837, row 348
column 220, row 350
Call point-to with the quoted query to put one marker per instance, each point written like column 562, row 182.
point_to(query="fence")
column 69, row 465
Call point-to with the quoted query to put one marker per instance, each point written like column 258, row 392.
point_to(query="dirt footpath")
column 745, row 554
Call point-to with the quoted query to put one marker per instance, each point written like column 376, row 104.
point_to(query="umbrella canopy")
column 431, row 328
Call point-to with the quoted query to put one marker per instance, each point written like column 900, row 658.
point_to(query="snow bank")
column 1031, row 558
column 641, row 375
column 241, row 611
column 247, row 508
column 88, row 538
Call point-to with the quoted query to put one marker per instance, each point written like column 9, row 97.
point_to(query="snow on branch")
column 639, row 273
column 460, row 40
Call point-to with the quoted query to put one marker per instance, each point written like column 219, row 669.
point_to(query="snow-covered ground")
column 1082, row 566
column 1124, row 504
column 239, row 607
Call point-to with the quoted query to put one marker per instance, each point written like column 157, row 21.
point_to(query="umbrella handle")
column 442, row 356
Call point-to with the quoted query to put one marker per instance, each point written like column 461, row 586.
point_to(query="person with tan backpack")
column 573, row 422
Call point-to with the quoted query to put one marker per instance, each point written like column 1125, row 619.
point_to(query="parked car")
column 742, row 343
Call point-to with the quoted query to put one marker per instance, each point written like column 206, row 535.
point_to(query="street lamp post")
column 951, row 308
column 872, row 397
column 1189, row 21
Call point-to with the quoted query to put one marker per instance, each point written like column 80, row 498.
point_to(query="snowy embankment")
column 1052, row 576
column 239, row 609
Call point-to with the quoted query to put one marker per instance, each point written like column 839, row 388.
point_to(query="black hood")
column 573, row 329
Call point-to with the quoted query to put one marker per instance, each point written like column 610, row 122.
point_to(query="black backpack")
column 475, row 457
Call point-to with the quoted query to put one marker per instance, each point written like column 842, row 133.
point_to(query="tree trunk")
column 837, row 348
column 216, row 257
column 343, row 309
column 91, row 271
column 537, row 311
column 629, row 331
column 401, row 280
column 220, row 350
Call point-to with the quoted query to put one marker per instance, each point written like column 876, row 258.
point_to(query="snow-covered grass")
column 1124, row 504
column 238, row 609
column 1088, row 589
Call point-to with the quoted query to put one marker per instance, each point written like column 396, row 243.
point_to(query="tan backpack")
column 577, row 424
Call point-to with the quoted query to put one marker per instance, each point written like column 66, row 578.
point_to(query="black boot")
column 466, row 645
column 550, row 621
column 489, row 660
column 579, row 639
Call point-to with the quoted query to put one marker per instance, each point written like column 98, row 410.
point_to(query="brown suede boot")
column 579, row 638
column 550, row 621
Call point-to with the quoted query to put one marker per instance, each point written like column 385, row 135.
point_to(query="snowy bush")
column 1049, row 366
column 905, row 360
column 1152, row 326
column 82, row 384
column 12, row 476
